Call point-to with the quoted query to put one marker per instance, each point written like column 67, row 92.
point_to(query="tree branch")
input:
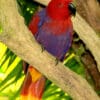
column 20, row 40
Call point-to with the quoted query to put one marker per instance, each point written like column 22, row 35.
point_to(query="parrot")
column 52, row 28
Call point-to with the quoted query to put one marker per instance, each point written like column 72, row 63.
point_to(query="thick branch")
column 18, row 38
column 86, row 34
column 88, row 8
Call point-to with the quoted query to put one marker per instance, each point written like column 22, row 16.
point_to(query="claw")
column 43, row 48
column 57, row 61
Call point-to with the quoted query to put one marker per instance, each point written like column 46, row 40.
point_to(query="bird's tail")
column 33, row 86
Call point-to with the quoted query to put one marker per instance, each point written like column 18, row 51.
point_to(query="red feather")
column 33, row 26
column 58, row 9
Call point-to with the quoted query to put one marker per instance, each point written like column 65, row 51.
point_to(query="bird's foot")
column 57, row 61
column 42, row 47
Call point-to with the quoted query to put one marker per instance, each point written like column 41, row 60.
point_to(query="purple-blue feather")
column 56, row 44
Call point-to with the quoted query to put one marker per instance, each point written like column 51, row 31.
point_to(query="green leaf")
column 14, row 74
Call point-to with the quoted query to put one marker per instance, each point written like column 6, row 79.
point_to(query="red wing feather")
column 33, row 26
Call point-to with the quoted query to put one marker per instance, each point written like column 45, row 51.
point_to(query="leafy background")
column 11, row 72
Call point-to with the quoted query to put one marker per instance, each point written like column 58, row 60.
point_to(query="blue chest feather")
column 55, row 36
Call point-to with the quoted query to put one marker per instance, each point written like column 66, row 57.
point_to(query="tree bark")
column 20, row 40
column 88, row 36
column 90, row 11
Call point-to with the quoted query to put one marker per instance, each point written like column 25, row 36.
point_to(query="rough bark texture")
column 18, row 38
column 90, row 11
column 91, row 69
column 88, row 36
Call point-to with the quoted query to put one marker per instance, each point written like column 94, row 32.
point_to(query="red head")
column 59, row 9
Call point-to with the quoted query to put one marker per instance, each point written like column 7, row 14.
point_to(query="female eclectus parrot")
column 52, row 28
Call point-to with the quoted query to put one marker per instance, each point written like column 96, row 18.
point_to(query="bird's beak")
column 72, row 9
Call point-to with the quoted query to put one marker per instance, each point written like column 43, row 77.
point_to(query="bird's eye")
column 72, row 9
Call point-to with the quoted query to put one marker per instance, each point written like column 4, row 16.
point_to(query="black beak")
column 72, row 9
